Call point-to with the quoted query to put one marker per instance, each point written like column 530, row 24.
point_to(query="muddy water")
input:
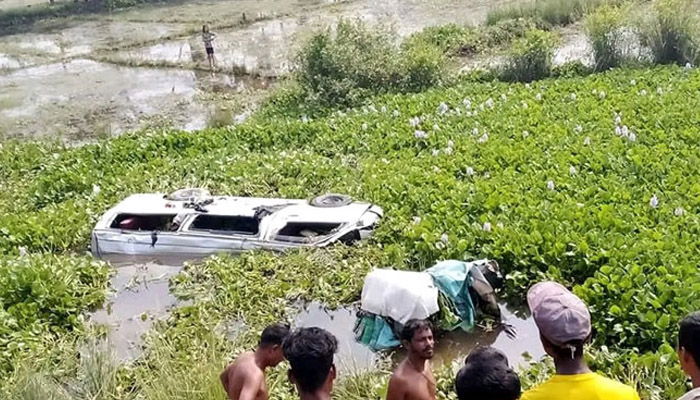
column 353, row 356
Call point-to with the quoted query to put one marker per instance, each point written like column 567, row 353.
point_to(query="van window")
column 226, row 224
column 143, row 222
column 306, row 231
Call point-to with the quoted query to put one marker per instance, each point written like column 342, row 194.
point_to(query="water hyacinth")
column 396, row 113
column 364, row 126
column 587, row 141
column 618, row 131
column 304, row 119
column 618, row 119
column 526, row 134
column 450, row 144
column 470, row 171
column 444, row 238
column 572, row 170
column 96, row 190
column 625, row 131
column 436, row 127
column 601, row 95
column 573, row 96
column 486, row 227
column 578, row 129
column 436, row 152
column 420, row 135
column 550, row 185
column 643, row 92
column 416, row 220
column 484, row 138
column 633, row 82
column 414, row 122
column 489, row 103
column 467, row 104
column 679, row 211
column 443, row 108
column 654, row 201
column 538, row 97
column 448, row 151
column 633, row 137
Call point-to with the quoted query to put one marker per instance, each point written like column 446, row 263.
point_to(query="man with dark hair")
column 689, row 352
column 565, row 326
column 310, row 353
column 413, row 379
column 245, row 378
column 486, row 375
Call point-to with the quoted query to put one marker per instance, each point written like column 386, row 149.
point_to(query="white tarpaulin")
column 400, row 295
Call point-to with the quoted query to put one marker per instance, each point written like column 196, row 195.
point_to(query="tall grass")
column 672, row 31
column 549, row 12
column 530, row 58
column 604, row 29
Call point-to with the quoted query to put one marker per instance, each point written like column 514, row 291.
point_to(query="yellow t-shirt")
column 588, row 386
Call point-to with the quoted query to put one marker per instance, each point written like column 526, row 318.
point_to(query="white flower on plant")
column 618, row 131
column 475, row 131
column 458, row 111
column 573, row 96
column 594, row 91
column 487, row 175
column 643, row 92
column 420, row 135
column 527, row 86
column 436, row 153
column 22, row 251
column 688, row 66
column 373, row 108
column 578, row 129
column 444, row 238
column 416, row 220
column 618, row 119
column 572, row 170
column 304, row 119
column 396, row 113
column 659, row 91
column 504, row 97
column 486, row 227
column 601, row 95
column 654, row 201
column 489, row 103
column 587, row 141
column 448, row 151
column 467, row 104
column 679, row 211
column 550, row 185
column 468, row 114
column 383, row 109
column 538, row 97
column 500, row 225
column 484, row 138
column 436, row 169
column 633, row 137
column 470, row 171
column 625, row 131
column 96, row 189
column 415, row 121
column 443, row 108
column 436, row 127
column 526, row 134
column 364, row 126
column 450, row 144
column 524, row 105
column 633, row 82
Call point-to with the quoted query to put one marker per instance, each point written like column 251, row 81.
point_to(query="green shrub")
column 604, row 30
column 530, row 58
column 672, row 31
column 344, row 67
column 571, row 69
column 219, row 118
column 550, row 12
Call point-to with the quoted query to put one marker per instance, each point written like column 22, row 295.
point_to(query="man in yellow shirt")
column 565, row 326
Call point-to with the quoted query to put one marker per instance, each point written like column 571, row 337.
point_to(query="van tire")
column 331, row 200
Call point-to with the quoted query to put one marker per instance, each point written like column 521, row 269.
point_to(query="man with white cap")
column 565, row 326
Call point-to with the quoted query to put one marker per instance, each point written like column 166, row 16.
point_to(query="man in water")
column 413, row 379
column 564, row 323
column 245, row 378
column 689, row 352
column 208, row 39
column 486, row 375
column 310, row 352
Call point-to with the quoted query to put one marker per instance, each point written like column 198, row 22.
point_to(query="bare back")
column 244, row 380
column 409, row 384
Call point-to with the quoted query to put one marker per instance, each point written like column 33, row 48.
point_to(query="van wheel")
column 331, row 200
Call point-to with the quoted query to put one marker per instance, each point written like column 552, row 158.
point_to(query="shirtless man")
column 413, row 378
column 245, row 378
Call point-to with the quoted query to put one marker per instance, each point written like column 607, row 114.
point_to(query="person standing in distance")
column 689, row 352
column 208, row 39
column 244, row 379
column 413, row 379
column 310, row 352
column 564, row 323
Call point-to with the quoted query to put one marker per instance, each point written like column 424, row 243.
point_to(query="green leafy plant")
column 605, row 29
column 672, row 31
column 530, row 58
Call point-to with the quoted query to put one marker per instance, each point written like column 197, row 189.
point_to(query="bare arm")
column 224, row 382
column 396, row 390
column 251, row 386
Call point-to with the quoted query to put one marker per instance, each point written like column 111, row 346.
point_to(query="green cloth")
column 452, row 279
column 375, row 332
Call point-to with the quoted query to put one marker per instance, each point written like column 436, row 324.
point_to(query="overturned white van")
column 192, row 222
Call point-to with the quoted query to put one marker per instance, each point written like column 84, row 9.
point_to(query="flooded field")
column 96, row 76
